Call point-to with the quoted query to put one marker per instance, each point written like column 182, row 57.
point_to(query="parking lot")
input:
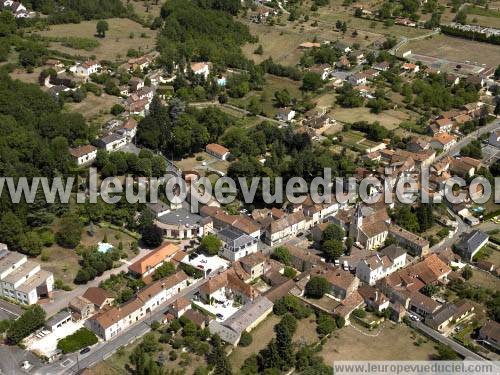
column 45, row 342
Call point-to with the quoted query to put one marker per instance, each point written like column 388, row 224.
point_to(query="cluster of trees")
column 142, row 356
column 290, row 155
column 122, row 287
column 312, row 81
column 491, row 298
column 119, row 163
column 281, row 355
column 70, row 230
column 269, row 66
column 374, row 132
column 210, row 244
column 470, row 34
column 30, row 320
column 165, row 270
column 195, row 33
column 417, row 219
column 35, row 136
column 95, row 263
column 325, row 54
column 151, row 235
column 282, row 254
column 332, row 244
column 435, row 92
column 293, row 305
column 472, row 150
column 78, row 340
column 178, row 131
column 74, row 11
column 348, row 97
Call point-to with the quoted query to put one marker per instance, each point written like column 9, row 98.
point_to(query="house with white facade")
column 84, row 154
column 23, row 280
column 201, row 68
column 109, row 323
column 112, row 142
column 285, row 114
column 443, row 141
column 236, row 244
column 87, row 68
column 381, row 264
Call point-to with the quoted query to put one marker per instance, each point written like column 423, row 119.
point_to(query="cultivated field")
column 116, row 43
column 456, row 49
column 394, row 342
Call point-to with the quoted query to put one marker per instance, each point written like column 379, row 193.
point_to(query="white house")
column 235, row 244
column 111, row 322
column 285, row 114
column 218, row 151
column 23, row 280
column 201, row 68
column 84, row 154
column 410, row 67
column 87, row 68
column 129, row 129
column 381, row 264
column 112, row 142
column 357, row 79
column 443, row 141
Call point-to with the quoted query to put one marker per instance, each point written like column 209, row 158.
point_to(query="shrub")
column 78, row 340
column 359, row 313
column 245, row 340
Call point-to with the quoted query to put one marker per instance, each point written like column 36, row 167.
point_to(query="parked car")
column 85, row 350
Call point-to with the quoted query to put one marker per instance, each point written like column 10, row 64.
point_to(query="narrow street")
column 466, row 353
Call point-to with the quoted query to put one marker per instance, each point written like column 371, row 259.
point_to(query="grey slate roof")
column 471, row 242
column 393, row 251
column 235, row 239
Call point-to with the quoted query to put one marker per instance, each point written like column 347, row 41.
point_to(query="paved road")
column 466, row 353
column 104, row 349
column 62, row 298
column 494, row 125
